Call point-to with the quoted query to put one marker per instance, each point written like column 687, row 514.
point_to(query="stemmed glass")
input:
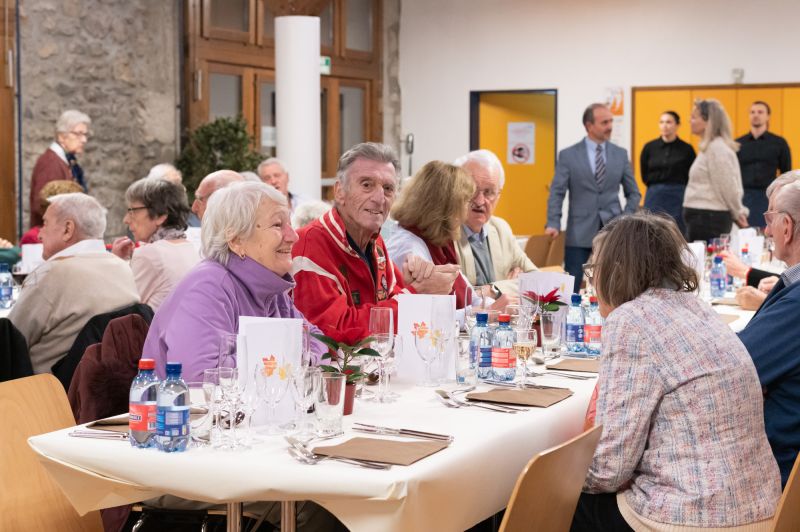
column 213, row 396
column 381, row 328
column 471, row 310
column 305, row 387
column 524, row 345
column 271, row 385
column 427, row 341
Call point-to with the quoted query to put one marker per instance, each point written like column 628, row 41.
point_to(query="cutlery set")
column 451, row 401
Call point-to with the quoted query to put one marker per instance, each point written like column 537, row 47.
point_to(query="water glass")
column 551, row 333
column 213, row 397
column 329, row 404
column 305, row 387
column 466, row 363
column 200, row 413
column 523, row 348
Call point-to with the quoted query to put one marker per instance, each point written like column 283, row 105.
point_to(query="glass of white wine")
column 523, row 347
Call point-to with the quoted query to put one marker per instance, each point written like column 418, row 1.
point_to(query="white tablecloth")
column 451, row 490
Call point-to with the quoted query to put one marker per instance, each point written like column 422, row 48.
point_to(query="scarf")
column 167, row 233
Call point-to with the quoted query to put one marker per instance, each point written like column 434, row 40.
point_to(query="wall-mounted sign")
column 521, row 143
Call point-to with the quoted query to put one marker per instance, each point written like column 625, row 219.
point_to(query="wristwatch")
column 496, row 293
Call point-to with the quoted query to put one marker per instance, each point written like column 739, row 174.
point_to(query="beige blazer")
column 506, row 255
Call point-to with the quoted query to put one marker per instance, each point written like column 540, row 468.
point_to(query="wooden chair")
column 537, row 248
column 555, row 256
column 29, row 498
column 547, row 490
column 787, row 516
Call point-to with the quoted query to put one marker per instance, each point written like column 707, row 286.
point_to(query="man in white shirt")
column 78, row 280
column 488, row 252
column 273, row 172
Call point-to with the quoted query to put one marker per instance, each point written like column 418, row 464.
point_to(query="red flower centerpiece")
column 343, row 348
column 548, row 303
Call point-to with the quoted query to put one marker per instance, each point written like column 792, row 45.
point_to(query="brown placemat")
column 574, row 364
column 730, row 301
column 384, row 451
column 529, row 397
column 728, row 318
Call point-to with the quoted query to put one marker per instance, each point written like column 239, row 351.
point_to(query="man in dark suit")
column 592, row 170
column 771, row 336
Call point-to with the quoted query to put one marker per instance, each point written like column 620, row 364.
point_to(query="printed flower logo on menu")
column 420, row 330
column 270, row 365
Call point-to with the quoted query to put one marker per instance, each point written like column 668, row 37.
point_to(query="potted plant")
column 550, row 302
column 342, row 351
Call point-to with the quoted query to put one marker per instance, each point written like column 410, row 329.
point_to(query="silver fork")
column 313, row 458
column 495, row 405
column 457, row 403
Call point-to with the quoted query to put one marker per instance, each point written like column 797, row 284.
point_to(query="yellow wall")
column 523, row 202
column 649, row 104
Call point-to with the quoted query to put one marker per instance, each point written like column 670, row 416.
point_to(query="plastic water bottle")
column 172, row 415
column 575, row 323
column 481, row 345
column 593, row 329
column 504, row 363
column 142, row 406
column 6, row 287
column 719, row 281
column 738, row 282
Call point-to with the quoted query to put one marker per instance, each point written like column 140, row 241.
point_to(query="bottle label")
column 501, row 358
column 5, row 292
column 142, row 417
column 592, row 333
column 173, row 421
column 485, row 360
column 574, row 333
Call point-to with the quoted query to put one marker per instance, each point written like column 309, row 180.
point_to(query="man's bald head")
column 210, row 184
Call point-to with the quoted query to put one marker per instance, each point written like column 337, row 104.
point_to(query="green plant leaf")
column 368, row 352
column 327, row 340
column 329, row 369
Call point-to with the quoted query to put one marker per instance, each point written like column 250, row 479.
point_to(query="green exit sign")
column 325, row 65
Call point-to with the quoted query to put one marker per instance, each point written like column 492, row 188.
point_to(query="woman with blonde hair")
column 713, row 199
column 429, row 214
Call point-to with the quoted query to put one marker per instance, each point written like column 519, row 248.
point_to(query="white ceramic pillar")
column 297, row 92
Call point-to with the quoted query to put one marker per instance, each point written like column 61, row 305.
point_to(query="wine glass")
column 227, row 350
column 381, row 328
column 231, row 396
column 523, row 347
column 213, row 396
column 271, row 385
column 473, row 303
column 305, row 386
column 427, row 341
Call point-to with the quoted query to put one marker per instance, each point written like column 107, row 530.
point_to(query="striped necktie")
column 599, row 166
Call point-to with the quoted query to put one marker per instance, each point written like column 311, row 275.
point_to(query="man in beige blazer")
column 487, row 250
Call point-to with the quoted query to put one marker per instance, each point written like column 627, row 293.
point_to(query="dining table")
column 451, row 490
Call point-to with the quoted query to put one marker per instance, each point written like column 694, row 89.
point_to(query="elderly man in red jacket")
column 340, row 263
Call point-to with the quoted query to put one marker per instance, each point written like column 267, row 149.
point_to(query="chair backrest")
column 555, row 257
column 15, row 362
column 787, row 516
column 547, row 490
column 29, row 498
column 537, row 249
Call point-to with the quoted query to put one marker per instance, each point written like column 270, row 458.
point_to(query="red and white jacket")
column 335, row 289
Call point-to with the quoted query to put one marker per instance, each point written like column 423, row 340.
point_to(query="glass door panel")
column 352, row 111
column 266, row 103
column 225, row 95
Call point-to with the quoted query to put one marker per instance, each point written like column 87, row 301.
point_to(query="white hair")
column 787, row 200
column 271, row 160
column 371, row 151
column 87, row 213
column 250, row 176
column 161, row 171
column 231, row 213
column 71, row 118
column 784, row 179
column 307, row 212
column 485, row 159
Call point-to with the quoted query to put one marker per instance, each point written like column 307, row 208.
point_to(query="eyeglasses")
column 131, row 210
column 488, row 193
column 85, row 134
column 588, row 271
column 770, row 215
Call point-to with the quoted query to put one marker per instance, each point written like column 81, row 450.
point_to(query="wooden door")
column 8, row 203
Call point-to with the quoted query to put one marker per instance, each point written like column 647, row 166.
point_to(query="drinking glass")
column 199, row 414
column 551, row 334
column 271, row 386
column 473, row 303
column 213, row 397
column 305, row 387
column 227, row 350
column 466, row 362
column 381, row 328
column 329, row 404
column 428, row 342
column 231, row 399
column 523, row 347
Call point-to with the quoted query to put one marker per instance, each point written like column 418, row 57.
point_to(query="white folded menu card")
column 542, row 283
column 422, row 314
column 272, row 346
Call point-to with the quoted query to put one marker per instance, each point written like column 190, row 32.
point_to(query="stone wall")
column 392, row 130
column 115, row 60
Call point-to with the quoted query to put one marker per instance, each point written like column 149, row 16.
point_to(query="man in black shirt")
column 762, row 157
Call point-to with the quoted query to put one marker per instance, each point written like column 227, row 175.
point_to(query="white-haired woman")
column 59, row 160
column 247, row 244
column 156, row 216
column 713, row 198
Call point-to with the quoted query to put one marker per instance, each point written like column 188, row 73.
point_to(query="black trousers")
column 702, row 224
column 598, row 513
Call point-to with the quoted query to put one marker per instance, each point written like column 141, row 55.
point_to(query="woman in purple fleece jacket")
column 247, row 242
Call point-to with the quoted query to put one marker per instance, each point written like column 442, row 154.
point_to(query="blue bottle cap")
column 576, row 299
column 174, row 368
column 482, row 317
column 717, row 259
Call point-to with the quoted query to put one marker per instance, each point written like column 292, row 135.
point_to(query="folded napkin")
column 112, row 424
column 730, row 301
column 577, row 364
column 728, row 318
column 527, row 397
column 384, row 451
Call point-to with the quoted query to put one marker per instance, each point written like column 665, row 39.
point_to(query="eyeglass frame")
column 132, row 210
column 85, row 134
column 588, row 271
column 488, row 193
column 768, row 214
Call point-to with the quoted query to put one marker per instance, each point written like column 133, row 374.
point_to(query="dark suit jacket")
column 14, row 362
column 590, row 207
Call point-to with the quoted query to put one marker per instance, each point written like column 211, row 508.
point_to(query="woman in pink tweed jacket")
column 683, row 444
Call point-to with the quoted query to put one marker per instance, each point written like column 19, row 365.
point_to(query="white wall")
column 580, row 47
